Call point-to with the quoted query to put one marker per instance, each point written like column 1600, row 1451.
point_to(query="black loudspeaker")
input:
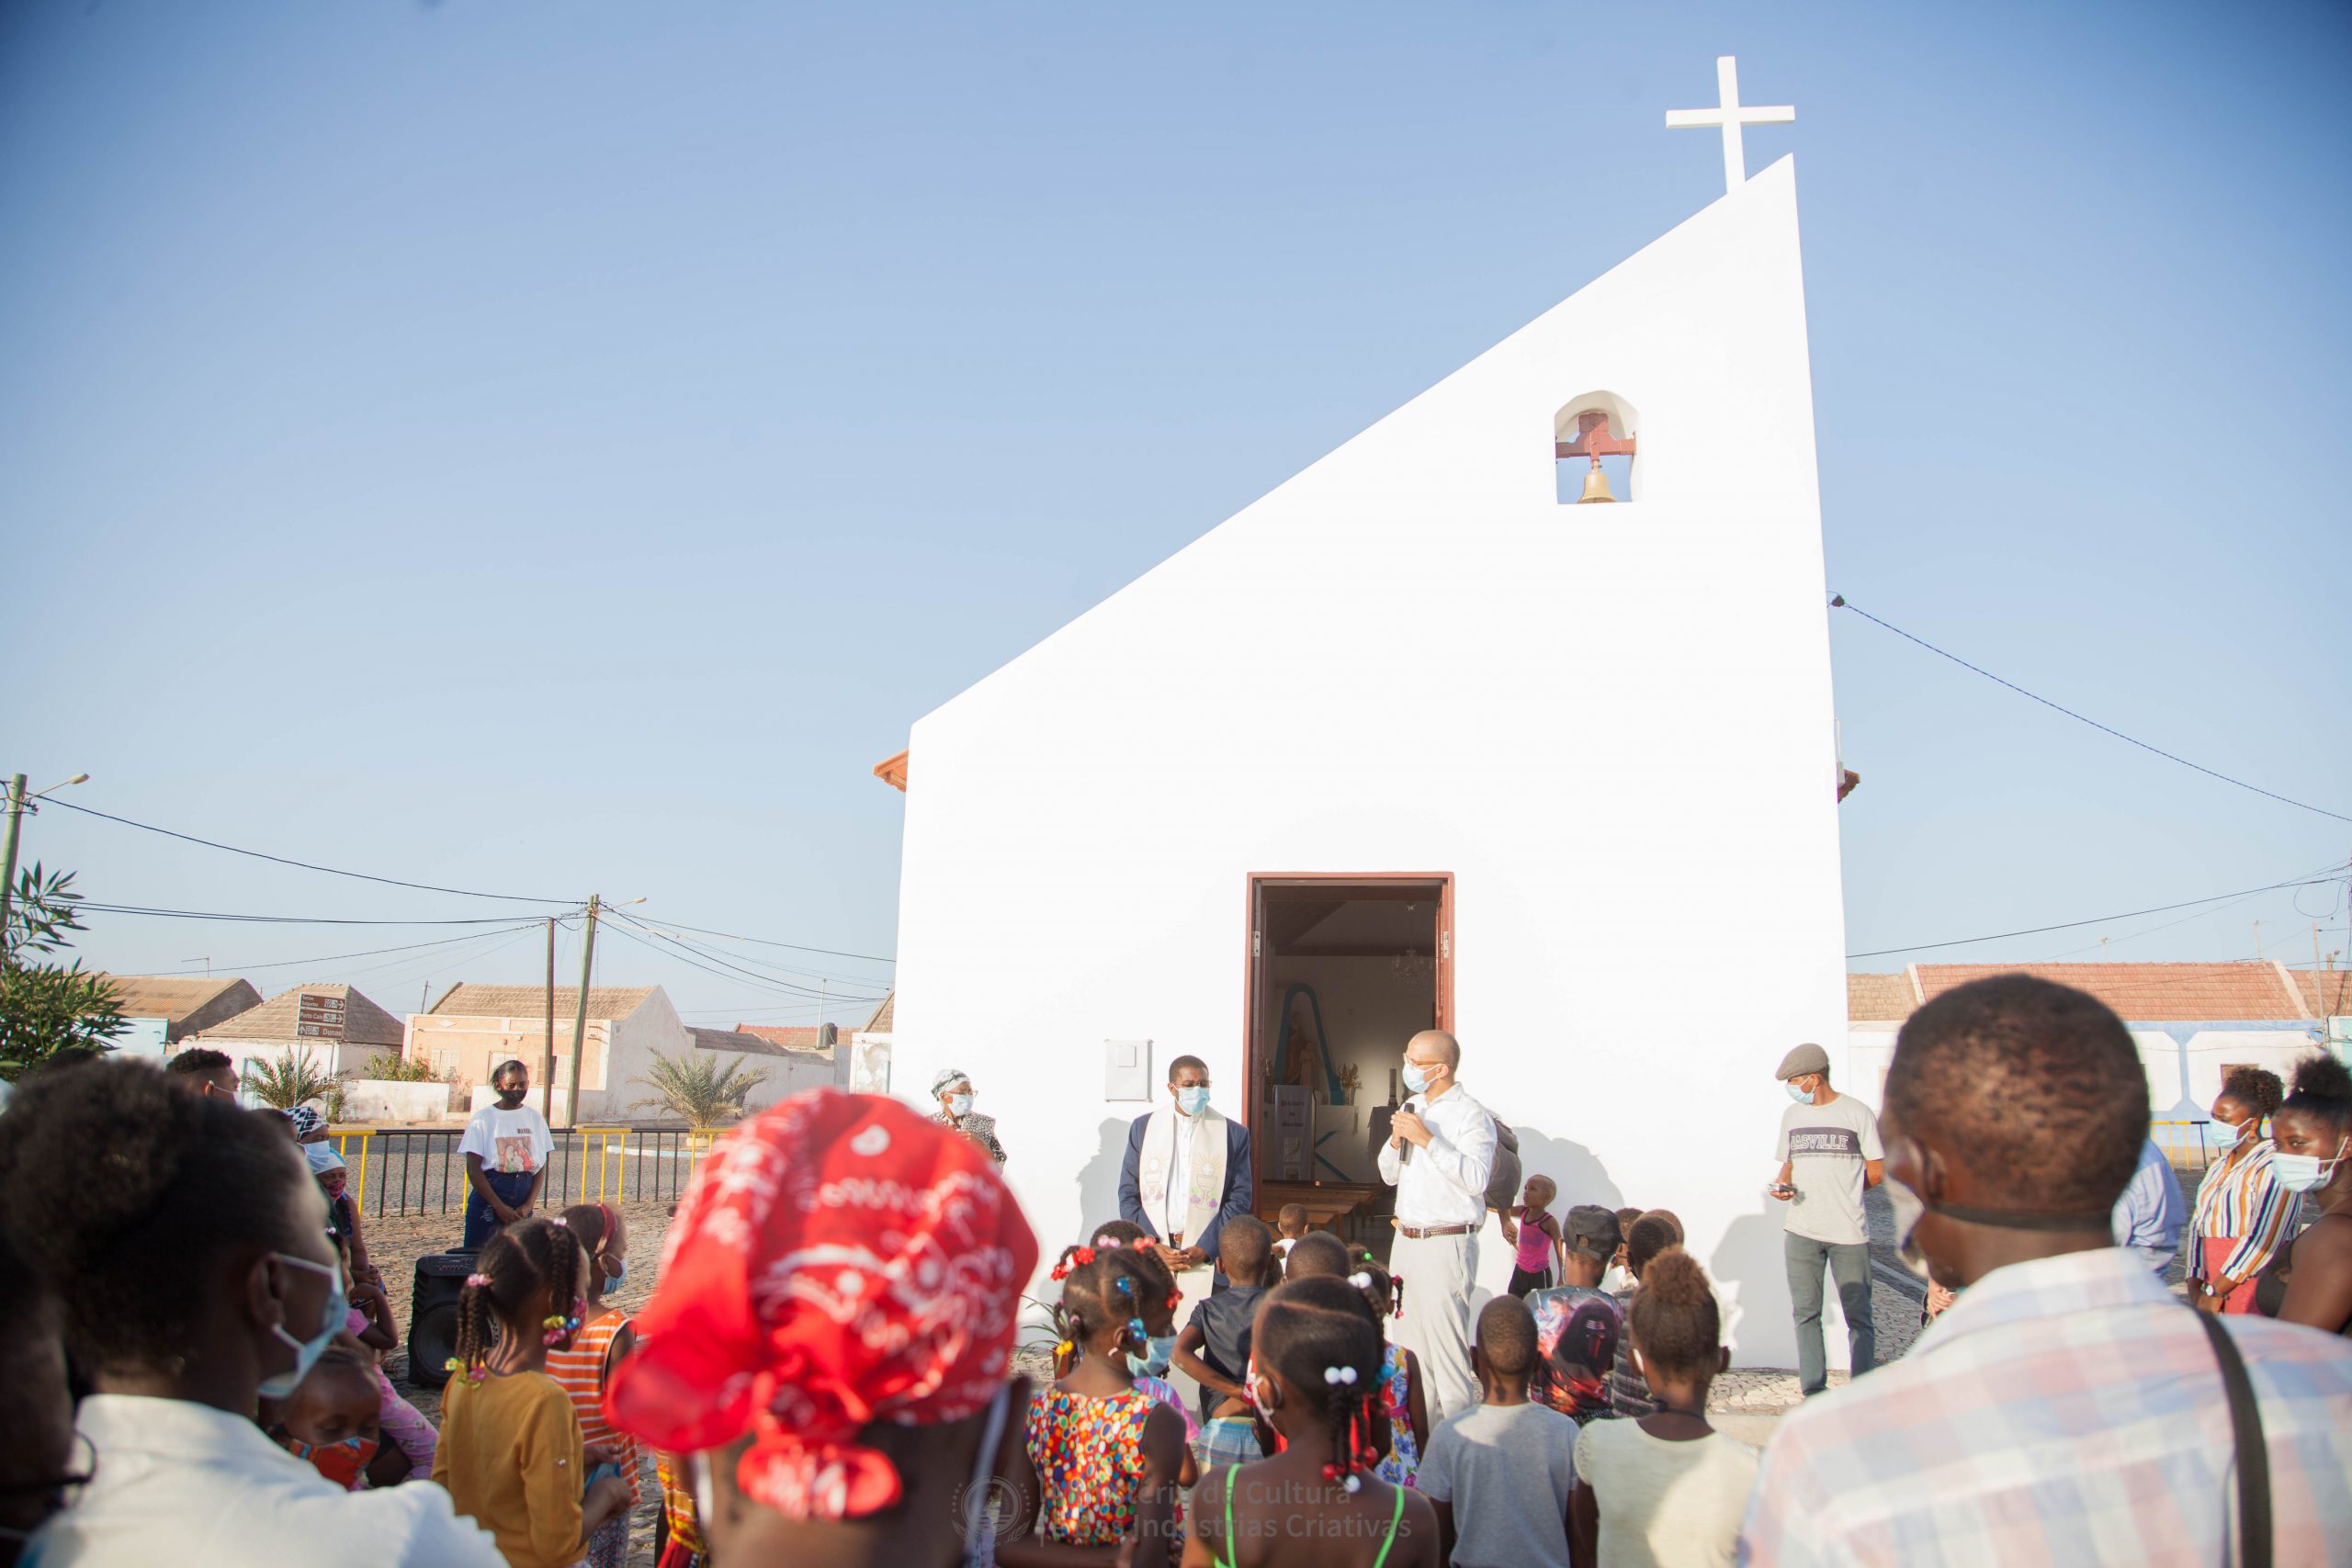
column 433, row 1315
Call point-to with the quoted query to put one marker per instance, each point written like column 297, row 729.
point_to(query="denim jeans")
column 1850, row 1263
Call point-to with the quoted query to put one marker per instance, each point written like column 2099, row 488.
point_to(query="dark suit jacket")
column 1237, row 1184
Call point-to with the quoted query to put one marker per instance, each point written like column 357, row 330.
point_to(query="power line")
column 764, row 942
column 304, row 865
column 687, row 947
column 1839, row 602
column 2096, row 919
column 622, row 930
column 273, row 920
column 366, row 952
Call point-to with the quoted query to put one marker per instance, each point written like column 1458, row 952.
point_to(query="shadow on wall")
column 1098, row 1184
column 1750, row 1267
column 1581, row 1178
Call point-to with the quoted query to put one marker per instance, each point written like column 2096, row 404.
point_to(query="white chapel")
column 1424, row 736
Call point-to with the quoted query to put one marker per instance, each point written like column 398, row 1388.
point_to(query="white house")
column 1413, row 739
column 333, row 1025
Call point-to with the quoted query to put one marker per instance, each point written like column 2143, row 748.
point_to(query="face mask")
column 2306, row 1173
column 1910, row 1208
column 1417, row 1078
column 512, row 1098
column 1193, row 1100
column 307, row 1351
column 1153, row 1362
column 342, row 1462
column 1801, row 1095
column 960, row 1104
column 612, row 1280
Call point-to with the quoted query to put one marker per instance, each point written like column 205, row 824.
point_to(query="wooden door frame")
column 1254, row 960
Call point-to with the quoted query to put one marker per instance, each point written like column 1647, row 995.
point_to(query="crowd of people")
column 831, row 1369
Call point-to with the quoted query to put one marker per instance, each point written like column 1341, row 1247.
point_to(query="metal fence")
column 2185, row 1143
column 418, row 1171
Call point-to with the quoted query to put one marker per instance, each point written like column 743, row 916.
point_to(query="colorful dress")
column 1089, row 1456
column 2242, row 1216
column 1404, row 1456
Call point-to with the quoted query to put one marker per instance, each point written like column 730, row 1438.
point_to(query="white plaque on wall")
column 1126, row 1069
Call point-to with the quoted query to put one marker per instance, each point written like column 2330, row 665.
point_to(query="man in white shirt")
column 1185, row 1173
column 1440, row 1152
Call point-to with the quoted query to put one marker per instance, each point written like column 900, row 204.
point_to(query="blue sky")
column 552, row 448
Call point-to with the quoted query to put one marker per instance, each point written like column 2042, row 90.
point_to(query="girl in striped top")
column 2242, row 1211
column 605, row 1339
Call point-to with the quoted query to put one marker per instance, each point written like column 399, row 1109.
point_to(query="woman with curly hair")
column 194, row 1264
column 2242, row 1211
column 2309, row 1280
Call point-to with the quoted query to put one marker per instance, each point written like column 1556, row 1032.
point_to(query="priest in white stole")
column 1186, row 1172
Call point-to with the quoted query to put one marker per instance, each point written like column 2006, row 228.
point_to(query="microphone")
column 1405, row 1153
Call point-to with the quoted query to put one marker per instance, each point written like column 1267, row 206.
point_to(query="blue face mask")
column 307, row 1351
column 1153, row 1363
column 1193, row 1100
column 1417, row 1078
column 1801, row 1095
column 612, row 1280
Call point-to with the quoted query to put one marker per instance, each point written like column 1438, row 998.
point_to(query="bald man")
column 1440, row 1152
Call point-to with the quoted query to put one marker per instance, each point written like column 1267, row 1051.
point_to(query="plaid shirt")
column 2064, row 1412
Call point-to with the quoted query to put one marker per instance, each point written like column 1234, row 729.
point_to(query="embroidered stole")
column 1156, row 1162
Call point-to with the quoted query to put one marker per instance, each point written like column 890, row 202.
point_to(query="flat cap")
column 1804, row 1059
column 1593, row 1229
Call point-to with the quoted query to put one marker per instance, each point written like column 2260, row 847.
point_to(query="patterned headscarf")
column 306, row 1121
column 839, row 1260
column 945, row 1077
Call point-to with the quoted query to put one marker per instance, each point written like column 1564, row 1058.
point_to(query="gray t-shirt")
column 1508, row 1471
column 1824, row 1146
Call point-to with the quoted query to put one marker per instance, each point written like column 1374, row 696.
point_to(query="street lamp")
column 17, row 801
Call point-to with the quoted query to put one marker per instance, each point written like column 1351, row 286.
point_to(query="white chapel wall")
column 1411, row 657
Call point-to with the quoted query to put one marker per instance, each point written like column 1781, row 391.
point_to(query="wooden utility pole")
column 579, row 1016
column 546, row 1056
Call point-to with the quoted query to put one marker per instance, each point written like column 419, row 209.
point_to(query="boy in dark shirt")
column 1214, row 1349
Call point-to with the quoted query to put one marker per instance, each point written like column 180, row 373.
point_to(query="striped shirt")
column 2066, row 1411
column 2242, row 1201
column 581, row 1370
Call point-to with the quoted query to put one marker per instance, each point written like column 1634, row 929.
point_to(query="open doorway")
column 1341, row 971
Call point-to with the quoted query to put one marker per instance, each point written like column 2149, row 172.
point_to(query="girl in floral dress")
column 1400, row 1398
column 1106, row 1455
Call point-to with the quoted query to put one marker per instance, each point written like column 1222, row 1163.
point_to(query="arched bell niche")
column 1594, row 439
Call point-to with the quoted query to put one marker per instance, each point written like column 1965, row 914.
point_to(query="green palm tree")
column 284, row 1082
column 694, row 1088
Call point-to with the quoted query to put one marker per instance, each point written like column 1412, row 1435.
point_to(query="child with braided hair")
column 1150, row 1365
column 1667, row 1488
column 584, row 1365
column 1401, row 1398
column 510, row 1450
column 1315, row 1369
column 1104, row 1456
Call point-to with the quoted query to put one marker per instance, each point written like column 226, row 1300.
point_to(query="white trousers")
column 1435, row 1325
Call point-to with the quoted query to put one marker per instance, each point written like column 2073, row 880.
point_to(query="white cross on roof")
column 1731, row 117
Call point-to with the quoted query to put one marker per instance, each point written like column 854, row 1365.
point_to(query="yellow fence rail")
column 2189, row 1145
column 354, row 1165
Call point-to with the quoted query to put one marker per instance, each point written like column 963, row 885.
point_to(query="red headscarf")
column 839, row 1260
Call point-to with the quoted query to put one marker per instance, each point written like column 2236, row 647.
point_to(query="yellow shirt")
column 510, row 1456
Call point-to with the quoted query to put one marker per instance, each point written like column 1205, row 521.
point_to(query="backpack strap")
column 2253, row 1453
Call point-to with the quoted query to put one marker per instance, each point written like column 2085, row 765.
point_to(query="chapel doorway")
column 1341, row 971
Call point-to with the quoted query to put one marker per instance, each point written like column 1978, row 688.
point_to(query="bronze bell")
column 1596, row 486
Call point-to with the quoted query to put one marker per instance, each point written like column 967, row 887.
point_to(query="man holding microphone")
column 1440, row 1152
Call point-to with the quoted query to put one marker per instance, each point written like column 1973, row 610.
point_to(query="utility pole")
column 547, row 1057
column 580, row 1017
column 15, row 819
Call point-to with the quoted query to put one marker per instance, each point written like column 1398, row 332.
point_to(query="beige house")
column 181, row 1005
column 473, row 1028
column 338, row 1028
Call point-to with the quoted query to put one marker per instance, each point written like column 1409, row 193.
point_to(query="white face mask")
column 960, row 1104
column 2306, row 1173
